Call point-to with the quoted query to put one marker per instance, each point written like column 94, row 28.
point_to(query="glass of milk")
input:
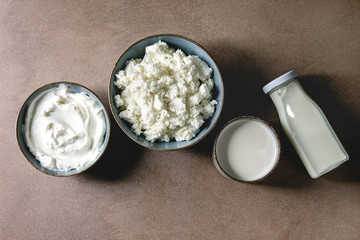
column 247, row 149
column 306, row 126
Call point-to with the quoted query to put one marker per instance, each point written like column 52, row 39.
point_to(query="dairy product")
column 247, row 149
column 306, row 126
column 63, row 129
column 166, row 95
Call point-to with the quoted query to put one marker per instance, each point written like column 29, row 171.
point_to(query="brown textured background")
column 135, row 193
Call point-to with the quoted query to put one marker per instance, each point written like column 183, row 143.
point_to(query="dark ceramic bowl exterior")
column 20, row 125
column 189, row 47
column 277, row 141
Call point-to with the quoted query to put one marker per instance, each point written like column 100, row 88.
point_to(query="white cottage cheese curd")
column 64, row 130
column 166, row 95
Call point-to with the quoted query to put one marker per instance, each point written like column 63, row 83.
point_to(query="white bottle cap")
column 280, row 80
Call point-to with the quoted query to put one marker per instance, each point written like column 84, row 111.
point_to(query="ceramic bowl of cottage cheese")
column 166, row 92
column 63, row 129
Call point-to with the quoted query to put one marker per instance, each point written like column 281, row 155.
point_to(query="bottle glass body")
column 308, row 129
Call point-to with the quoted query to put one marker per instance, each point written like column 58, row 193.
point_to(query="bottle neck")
column 289, row 82
column 287, row 93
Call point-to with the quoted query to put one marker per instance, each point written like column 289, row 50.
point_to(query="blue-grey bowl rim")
column 114, row 71
column 55, row 172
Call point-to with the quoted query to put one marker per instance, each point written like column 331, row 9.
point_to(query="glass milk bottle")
column 306, row 126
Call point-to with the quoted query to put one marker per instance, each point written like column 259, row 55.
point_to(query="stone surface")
column 135, row 193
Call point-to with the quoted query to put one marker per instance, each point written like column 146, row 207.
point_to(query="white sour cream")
column 63, row 129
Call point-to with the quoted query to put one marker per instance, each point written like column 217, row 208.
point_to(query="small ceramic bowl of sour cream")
column 63, row 129
column 247, row 149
